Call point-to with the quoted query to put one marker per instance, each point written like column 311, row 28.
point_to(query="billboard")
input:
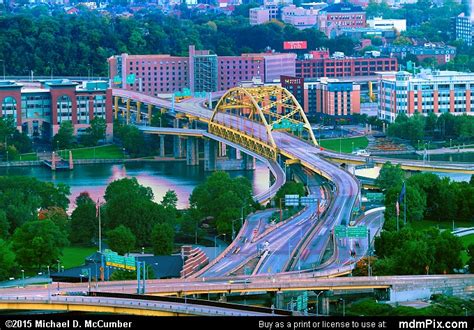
column 287, row 45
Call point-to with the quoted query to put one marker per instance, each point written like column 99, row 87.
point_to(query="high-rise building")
column 39, row 108
column 462, row 28
column 437, row 92
column 200, row 71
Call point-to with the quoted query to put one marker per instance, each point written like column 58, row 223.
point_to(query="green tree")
column 390, row 176
column 162, row 238
column 170, row 200
column 84, row 223
column 59, row 217
column 7, row 260
column 221, row 198
column 95, row 132
column 470, row 262
column 121, row 240
column 38, row 243
column 131, row 205
column 65, row 136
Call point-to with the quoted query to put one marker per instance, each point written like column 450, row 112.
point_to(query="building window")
column 64, row 108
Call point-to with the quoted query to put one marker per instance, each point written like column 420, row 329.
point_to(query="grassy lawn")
column 345, row 144
column 420, row 225
column 102, row 152
column 26, row 157
column 74, row 256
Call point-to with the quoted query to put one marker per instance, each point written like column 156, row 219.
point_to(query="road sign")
column 131, row 79
column 285, row 124
column 374, row 196
column 357, row 232
column 340, row 231
column 308, row 200
column 117, row 80
column 299, row 303
column 114, row 260
column 292, row 200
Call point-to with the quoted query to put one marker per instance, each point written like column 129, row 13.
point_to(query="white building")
column 388, row 24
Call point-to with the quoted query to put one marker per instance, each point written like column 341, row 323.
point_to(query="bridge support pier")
column 324, row 306
column 162, row 146
column 178, row 151
column 222, row 149
column 210, row 155
column 231, row 152
column 248, row 162
column 192, row 151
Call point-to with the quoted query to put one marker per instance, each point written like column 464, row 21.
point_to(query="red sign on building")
column 295, row 45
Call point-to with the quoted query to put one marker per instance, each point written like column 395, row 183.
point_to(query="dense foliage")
column 221, row 198
column 131, row 205
column 80, row 44
column 428, row 197
column 417, row 128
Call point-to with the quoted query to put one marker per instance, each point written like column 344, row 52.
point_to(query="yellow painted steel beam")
column 139, row 114
column 128, row 111
column 116, row 107
column 292, row 161
column 150, row 108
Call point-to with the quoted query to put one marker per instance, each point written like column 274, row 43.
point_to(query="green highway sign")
column 292, row 200
column 374, row 196
column 299, row 303
column 285, row 124
column 350, row 232
column 357, row 232
column 131, row 79
column 117, row 80
column 340, row 231
column 114, row 260
column 308, row 200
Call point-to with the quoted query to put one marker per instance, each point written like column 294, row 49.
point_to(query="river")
column 160, row 176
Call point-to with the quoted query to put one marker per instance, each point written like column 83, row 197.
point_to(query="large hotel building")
column 39, row 108
column 438, row 92
column 199, row 72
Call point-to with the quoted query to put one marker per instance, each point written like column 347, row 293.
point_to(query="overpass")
column 406, row 164
column 398, row 287
column 127, row 304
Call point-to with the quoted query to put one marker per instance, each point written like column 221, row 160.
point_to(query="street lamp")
column 233, row 228
column 317, row 302
column 215, row 244
column 81, row 276
column 23, row 277
column 49, row 272
column 59, row 261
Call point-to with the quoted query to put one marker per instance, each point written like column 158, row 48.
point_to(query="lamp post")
column 233, row 228
column 215, row 244
column 59, row 261
column 23, row 277
column 81, row 276
column 49, row 273
column 317, row 302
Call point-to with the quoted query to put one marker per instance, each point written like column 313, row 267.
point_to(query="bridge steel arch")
column 273, row 107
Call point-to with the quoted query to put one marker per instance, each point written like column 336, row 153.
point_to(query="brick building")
column 39, row 108
column 318, row 64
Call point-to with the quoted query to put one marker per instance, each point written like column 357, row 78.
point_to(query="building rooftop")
column 343, row 8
